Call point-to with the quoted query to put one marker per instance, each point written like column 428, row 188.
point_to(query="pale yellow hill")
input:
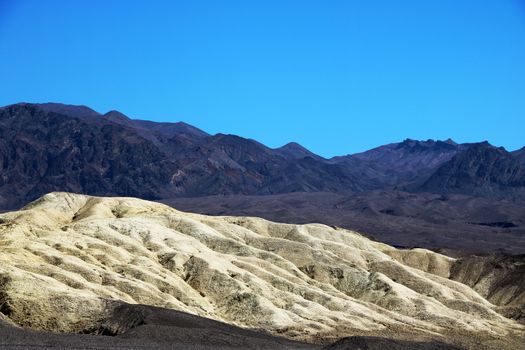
column 65, row 255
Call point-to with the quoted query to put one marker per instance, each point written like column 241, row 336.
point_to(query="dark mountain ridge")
column 400, row 164
column 481, row 169
column 41, row 151
column 49, row 147
column 73, row 148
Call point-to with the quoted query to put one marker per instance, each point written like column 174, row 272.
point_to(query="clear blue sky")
column 336, row 76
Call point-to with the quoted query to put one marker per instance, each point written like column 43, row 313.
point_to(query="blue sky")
column 336, row 76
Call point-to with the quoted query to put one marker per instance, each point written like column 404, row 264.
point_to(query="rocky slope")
column 400, row 164
column 42, row 151
column 67, row 258
column 49, row 147
column 482, row 170
column 498, row 278
column 55, row 147
column 520, row 155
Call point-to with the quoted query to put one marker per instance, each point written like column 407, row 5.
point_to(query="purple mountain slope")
column 48, row 147
column 481, row 169
column 520, row 155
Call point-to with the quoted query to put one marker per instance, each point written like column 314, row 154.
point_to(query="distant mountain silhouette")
column 43, row 151
column 399, row 164
column 293, row 150
column 56, row 147
column 165, row 129
column 229, row 164
column 82, row 112
column 481, row 169
column 48, row 147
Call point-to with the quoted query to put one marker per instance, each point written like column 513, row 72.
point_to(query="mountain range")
column 344, row 262
column 56, row 147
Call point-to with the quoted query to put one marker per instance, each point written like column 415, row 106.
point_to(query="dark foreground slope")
column 498, row 278
column 375, row 343
column 146, row 327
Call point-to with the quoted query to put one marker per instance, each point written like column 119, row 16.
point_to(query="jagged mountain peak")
column 402, row 163
column 187, row 161
column 480, row 169
column 419, row 146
